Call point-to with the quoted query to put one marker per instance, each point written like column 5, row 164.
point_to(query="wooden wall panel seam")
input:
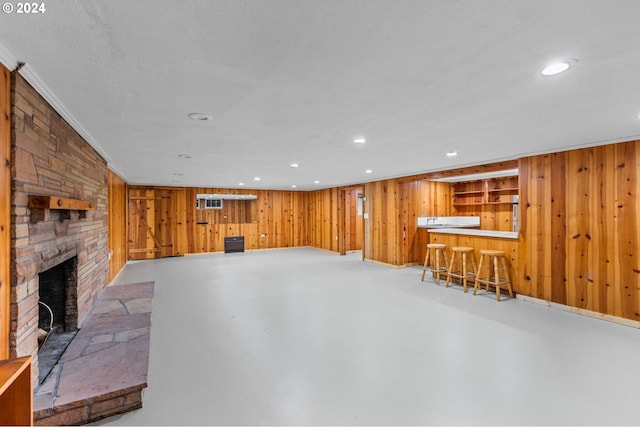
column 5, row 209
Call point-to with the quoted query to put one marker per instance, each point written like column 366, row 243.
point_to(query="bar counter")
column 473, row 232
column 506, row 241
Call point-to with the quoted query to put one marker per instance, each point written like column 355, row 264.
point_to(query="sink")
column 449, row 222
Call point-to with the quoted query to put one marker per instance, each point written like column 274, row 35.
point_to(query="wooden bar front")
column 509, row 246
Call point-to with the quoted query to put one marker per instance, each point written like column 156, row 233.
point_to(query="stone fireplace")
column 50, row 159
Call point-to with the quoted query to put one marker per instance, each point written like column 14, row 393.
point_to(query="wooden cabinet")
column 493, row 191
column 16, row 392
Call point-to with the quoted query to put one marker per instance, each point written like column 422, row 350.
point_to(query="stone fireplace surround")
column 50, row 158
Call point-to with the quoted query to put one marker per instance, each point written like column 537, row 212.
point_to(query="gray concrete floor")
column 305, row 337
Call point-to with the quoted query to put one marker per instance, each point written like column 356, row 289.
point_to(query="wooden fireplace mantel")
column 53, row 202
column 40, row 204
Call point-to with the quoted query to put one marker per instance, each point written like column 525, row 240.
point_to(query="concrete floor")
column 305, row 337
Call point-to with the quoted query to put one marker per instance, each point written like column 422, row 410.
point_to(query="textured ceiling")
column 297, row 81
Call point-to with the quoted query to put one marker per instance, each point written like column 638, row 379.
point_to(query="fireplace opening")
column 53, row 298
column 57, row 314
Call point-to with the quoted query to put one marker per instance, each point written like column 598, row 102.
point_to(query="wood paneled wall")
column 334, row 223
column 580, row 241
column 164, row 221
column 418, row 199
column 277, row 219
column 117, row 224
column 543, row 227
column 324, row 219
column 579, row 235
column 5, row 208
column 382, row 230
column 232, row 212
column 492, row 217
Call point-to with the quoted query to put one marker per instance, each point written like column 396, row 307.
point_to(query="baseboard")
column 607, row 317
column 581, row 311
column 386, row 264
column 247, row 250
column 321, row 249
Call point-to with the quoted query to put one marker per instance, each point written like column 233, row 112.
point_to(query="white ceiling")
column 298, row 80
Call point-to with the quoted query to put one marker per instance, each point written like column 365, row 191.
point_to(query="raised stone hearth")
column 104, row 369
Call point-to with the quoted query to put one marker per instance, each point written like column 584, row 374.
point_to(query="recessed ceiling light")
column 198, row 116
column 184, row 156
column 452, row 153
column 293, row 186
column 257, row 178
column 294, row 165
column 241, row 184
column 359, row 140
column 316, row 182
column 555, row 68
column 368, row 171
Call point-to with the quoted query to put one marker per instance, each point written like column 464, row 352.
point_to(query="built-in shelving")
column 495, row 191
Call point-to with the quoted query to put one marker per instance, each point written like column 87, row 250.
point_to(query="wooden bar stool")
column 499, row 279
column 460, row 253
column 436, row 268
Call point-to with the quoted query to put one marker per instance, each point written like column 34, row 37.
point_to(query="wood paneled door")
column 350, row 225
column 154, row 223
